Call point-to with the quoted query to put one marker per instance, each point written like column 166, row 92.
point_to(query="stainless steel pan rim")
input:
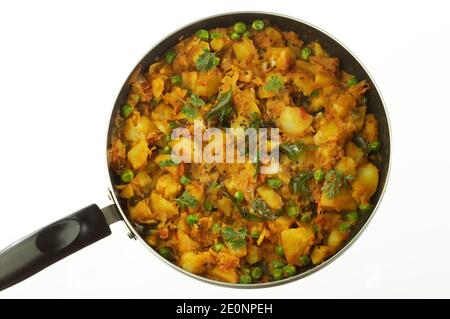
column 306, row 273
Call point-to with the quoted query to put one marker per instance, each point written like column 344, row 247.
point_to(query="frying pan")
column 51, row 243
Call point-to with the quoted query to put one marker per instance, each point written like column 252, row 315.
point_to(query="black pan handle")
column 46, row 246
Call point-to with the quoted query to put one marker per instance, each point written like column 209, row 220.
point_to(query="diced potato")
column 237, row 251
column 370, row 130
column 186, row 243
column 217, row 44
column 225, row 205
column 161, row 205
column 353, row 151
column 168, row 186
column 203, row 83
column 344, row 104
column 142, row 180
column 244, row 50
column 228, row 275
column 318, row 50
column 271, row 197
column 196, row 190
column 254, row 254
column 139, row 131
column 320, row 253
column 324, row 79
column 365, row 183
column 317, row 103
column 165, row 157
column 158, row 87
column 294, row 120
column 336, row 238
column 141, row 212
column 303, row 82
column 327, row 132
column 341, row 202
column 295, row 241
column 346, row 165
column 280, row 58
column 138, row 154
column 265, row 94
column 273, row 34
column 127, row 191
column 196, row 262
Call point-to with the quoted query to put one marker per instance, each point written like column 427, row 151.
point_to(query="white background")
column 62, row 64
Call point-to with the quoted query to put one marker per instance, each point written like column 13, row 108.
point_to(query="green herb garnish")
column 261, row 209
column 205, row 61
column 335, row 181
column 168, row 162
column 294, row 150
column 299, row 183
column 223, row 109
column 186, row 200
column 274, row 84
column 236, row 238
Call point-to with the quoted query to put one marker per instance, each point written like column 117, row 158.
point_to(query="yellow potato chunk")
column 328, row 131
column 370, row 130
column 294, row 120
column 347, row 166
column 295, row 241
column 141, row 212
column 254, row 254
column 196, row 262
column 168, row 186
column 161, row 205
column 138, row 154
column 280, row 58
column 186, row 243
column 341, row 202
column 272, row 199
column 336, row 238
column 217, row 44
column 139, row 131
column 244, row 50
column 225, row 205
column 353, row 151
column 158, row 87
column 320, row 253
column 365, row 183
column 227, row 275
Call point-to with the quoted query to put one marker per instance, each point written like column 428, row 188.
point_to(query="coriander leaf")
column 223, row 109
column 236, row 238
column 168, row 162
column 274, row 84
column 294, row 150
column 299, row 184
column 186, row 200
column 335, row 181
column 196, row 101
column 189, row 111
column 262, row 210
column 205, row 61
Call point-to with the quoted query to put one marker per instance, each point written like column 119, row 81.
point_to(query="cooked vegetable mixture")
column 229, row 222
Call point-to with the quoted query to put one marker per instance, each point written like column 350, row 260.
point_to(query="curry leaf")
column 261, row 209
column 294, row 150
column 223, row 108
column 299, row 184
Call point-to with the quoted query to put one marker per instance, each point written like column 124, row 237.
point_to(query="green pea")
column 306, row 217
column 245, row 279
column 239, row 196
column 365, row 208
column 274, row 183
column 217, row 247
column 352, row 81
column 126, row 175
column 192, row 219
column 167, row 138
column 176, row 79
column 245, row 270
column 277, row 274
column 184, row 180
column 126, row 110
column 235, row 36
column 374, row 146
column 166, row 252
column 258, row 25
column 170, row 56
column 352, row 217
column 293, row 211
column 215, row 35
column 135, row 97
column 216, row 228
column 289, row 270
column 167, row 149
column 255, row 234
column 305, row 53
column 277, row 264
column 256, row 272
column 202, row 34
column 319, row 175
column 343, row 227
column 304, row 260
column 279, row 250
column 216, row 61
column 239, row 27
column 246, row 34
column 208, row 206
